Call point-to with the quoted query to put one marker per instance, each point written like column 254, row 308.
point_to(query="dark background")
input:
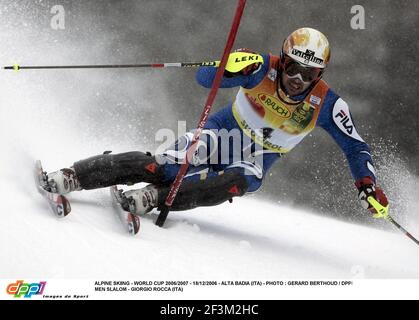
column 375, row 70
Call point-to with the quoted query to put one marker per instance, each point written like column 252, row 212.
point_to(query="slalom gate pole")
column 382, row 212
column 204, row 116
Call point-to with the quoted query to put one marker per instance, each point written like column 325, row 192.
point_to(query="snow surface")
column 248, row 239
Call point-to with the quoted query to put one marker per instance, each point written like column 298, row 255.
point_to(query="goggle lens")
column 292, row 68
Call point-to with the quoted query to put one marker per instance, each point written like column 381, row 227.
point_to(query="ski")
column 59, row 204
column 130, row 221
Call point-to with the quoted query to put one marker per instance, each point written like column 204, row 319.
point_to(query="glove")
column 367, row 188
column 247, row 70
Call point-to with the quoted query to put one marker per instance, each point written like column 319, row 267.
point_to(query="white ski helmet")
column 307, row 46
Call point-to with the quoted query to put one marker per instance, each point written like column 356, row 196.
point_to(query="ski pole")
column 204, row 116
column 236, row 61
column 382, row 212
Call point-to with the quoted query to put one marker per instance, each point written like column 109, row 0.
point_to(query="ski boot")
column 62, row 181
column 140, row 201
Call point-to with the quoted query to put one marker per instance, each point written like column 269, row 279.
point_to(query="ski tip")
column 38, row 166
column 37, row 173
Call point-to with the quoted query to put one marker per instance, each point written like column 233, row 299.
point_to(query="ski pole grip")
column 237, row 61
column 382, row 212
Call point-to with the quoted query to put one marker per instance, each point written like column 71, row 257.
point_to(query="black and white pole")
column 382, row 212
column 17, row 67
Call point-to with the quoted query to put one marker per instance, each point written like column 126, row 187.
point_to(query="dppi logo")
column 27, row 290
column 345, row 119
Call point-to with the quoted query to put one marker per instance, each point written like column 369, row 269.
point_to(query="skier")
column 280, row 101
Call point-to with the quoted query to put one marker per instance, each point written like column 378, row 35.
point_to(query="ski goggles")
column 293, row 68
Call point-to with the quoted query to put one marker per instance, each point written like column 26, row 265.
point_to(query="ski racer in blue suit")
column 280, row 101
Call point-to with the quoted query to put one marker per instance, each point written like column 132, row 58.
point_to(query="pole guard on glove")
column 372, row 197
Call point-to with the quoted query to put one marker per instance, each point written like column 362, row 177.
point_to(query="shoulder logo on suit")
column 315, row 100
column 342, row 118
column 345, row 121
column 272, row 74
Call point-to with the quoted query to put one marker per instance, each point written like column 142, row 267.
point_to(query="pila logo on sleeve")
column 27, row 290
